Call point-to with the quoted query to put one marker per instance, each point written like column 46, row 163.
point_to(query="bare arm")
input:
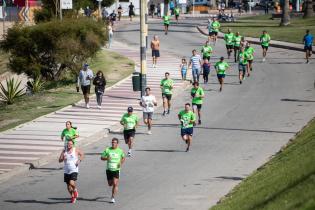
column 62, row 156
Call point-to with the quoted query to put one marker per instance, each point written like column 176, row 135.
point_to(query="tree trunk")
column 285, row 19
column 309, row 12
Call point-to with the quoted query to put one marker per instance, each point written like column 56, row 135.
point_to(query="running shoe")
column 129, row 153
column 112, row 200
column 264, row 59
column 149, row 132
column 168, row 111
column 241, row 82
column 73, row 200
column 164, row 113
column 76, row 194
column 87, row 106
column 187, row 150
column 199, row 122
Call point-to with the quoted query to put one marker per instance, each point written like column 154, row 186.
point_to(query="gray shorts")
column 147, row 115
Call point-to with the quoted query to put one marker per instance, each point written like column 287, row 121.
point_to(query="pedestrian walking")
column 115, row 158
column 100, row 83
column 221, row 68
column 130, row 121
column 237, row 45
column 195, row 64
column 308, row 44
column 110, row 34
column 166, row 22
column 264, row 41
column 205, row 70
column 84, row 80
column 155, row 46
column 131, row 11
column 166, row 86
column 206, row 51
column 148, row 102
column 152, row 9
column 183, row 68
column 158, row 10
column 187, row 120
column 69, row 134
column 197, row 95
column 228, row 38
column 72, row 157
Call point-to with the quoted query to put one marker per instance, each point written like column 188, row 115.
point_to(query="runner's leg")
column 115, row 187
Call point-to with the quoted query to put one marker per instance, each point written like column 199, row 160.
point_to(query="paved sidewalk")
column 36, row 142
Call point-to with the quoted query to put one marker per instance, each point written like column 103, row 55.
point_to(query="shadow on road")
column 159, row 150
column 297, row 100
column 235, row 178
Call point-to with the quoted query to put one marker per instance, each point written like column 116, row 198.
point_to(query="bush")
column 53, row 48
column 12, row 91
column 42, row 15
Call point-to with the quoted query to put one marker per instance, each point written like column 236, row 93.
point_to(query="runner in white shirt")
column 148, row 102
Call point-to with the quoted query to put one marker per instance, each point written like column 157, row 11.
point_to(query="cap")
column 130, row 109
column 85, row 65
column 222, row 58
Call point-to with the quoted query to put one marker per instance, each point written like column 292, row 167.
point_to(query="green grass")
column 253, row 26
column 114, row 66
column 286, row 182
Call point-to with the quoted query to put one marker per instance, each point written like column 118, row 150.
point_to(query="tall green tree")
column 309, row 11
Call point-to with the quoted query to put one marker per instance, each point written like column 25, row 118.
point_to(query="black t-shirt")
column 131, row 7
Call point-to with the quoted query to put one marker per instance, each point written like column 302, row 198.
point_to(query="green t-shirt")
column 229, row 38
column 69, row 134
column 243, row 56
column 186, row 118
column 166, row 19
column 176, row 10
column 250, row 51
column 167, row 86
column 221, row 67
column 206, row 51
column 129, row 121
column 116, row 155
column 237, row 41
column 197, row 91
column 215, row 26
column 265, row 39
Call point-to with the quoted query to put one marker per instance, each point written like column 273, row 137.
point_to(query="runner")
column 84, row 79
column 166, row 86
column 187, row 119
column 215, row 28
column 264, row 41
column 237, row 45
column 308, row 43
column 229, row 37
column 195, row 64
column 71, row 157
column 166, row 21
column 197, row 95
column 205, row 71
column 221, row 68
column 242, row 65
column 250, row 52
column 115, row 157
column 206, row 51
column 176, row 11
column 155, row 46
column 120, row 10
column 148, row 102
column 210, row 30
column 131, row 12
column 69, row 134
column 130, row 121
column 183, row 68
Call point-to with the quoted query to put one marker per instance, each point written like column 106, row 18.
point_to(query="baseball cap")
column 86, row 65
column 130, row 109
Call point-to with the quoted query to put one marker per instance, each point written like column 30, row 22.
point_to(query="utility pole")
column 60, row 9
column 143, row 48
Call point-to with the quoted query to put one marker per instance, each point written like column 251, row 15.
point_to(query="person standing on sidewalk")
column 177, row 12
column 115, row 157
column 206, row 51
column 71, row 157
column 221, row 68
column 228, row 38
column 195, row 64
column 148, row 102
column 166, row 85
column 215, row 28
column 100, row 83
column 237, row 45
column 166, row 21
column 69, row 134
column 110, row 34
column 264, row 41
column 250, row 52
column 197, row 95
column 308, row 43
column 155, row 46
column 131, row 11
column 84, row 79
column 187, row 119
column 130, row 121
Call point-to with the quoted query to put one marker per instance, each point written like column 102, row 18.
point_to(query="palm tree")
column 285, row 19
column 309, row 12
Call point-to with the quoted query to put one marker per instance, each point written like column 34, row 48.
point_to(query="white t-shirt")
column 148, row 103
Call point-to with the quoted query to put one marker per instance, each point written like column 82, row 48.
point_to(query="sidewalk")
column 35, row 143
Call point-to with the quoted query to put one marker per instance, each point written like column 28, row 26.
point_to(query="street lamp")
column 143, row 47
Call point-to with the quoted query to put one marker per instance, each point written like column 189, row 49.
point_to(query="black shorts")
column 229, row 47
column 264, row 47
column 112, row 174
column 213, row 33
column 250, row 62
column 155, row 53
column 176, row 16
column 221, row 76
column 197, row 105
column 167, row 96
column 166, row 24
column 237, row 47
column 309, row 48
column 128, row 134
column 186, row 131
column 131, row 13
column 206, row 57
column 68, row 177
column 86, row 89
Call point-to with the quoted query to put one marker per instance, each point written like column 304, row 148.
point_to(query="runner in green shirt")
column 215, row 29
column 264, row 41
column 115, row 157
column 197, row 95
column 250, row 51
column 229, row 38
column 221, row 67
column 243, row 64
column 206, row 51
column 130, row 121
column 237, row 45
column 187, row 119
column 176, row 11
column 166, row 21
column 69, row 134
column 166, row 85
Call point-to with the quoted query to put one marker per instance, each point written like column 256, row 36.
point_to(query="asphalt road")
column 242, row 127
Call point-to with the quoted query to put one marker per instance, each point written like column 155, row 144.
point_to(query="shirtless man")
column 155, row 46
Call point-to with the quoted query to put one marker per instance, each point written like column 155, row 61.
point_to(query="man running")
column 206, row 51
column 197, row 95
column 71, row 157
column 250, row 52
column 195, row 64
column 166, row 85
column 155, row 46
column 187, row 119
column 215, row 28
column 176, row 11
column 229, row 37
column 221, row 68
column 243, row 64
column 84, row 79
column 115, row 157
column 148, row 102
column 131, row 11
column 264, row 41
column 166, row 21
column 237, row 45
column 130, row 121
column 308, row 43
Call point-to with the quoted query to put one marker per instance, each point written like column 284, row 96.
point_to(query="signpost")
column 64, row 4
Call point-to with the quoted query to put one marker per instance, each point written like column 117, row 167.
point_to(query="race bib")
column 113, row 166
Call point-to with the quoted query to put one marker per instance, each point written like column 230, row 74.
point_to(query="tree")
column 285, row 19
column 309, row 11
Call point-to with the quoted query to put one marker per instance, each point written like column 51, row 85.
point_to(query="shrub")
column 37, row 84
column 12, row 91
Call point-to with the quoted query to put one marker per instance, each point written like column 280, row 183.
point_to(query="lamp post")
column 143, row 43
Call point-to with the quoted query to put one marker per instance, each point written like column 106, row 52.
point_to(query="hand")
column 77, row 163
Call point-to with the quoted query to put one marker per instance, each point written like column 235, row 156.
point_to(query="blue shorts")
column 186, row 131
column 242, row 67
column 221, row 76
